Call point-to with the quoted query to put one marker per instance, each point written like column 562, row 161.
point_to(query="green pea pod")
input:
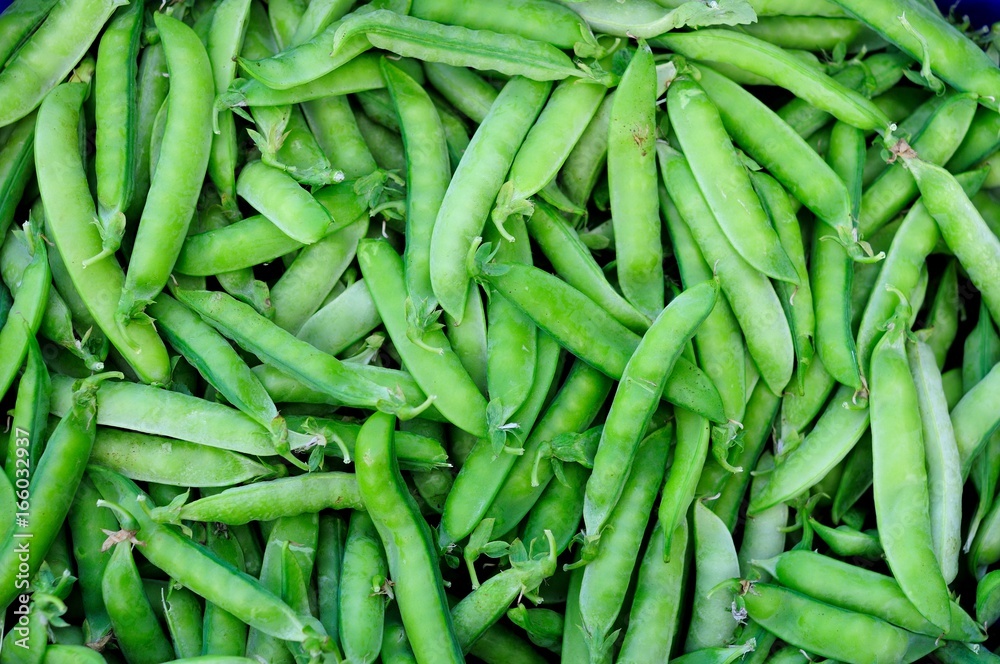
column 722, row 179
column 27, row 436
column 835, row 434
column 592, row 334
column 192, row 566
column 847, row 542
column 115, row 116
column 776, row 64
column 340, row 322
column 263, row 501
column 693, row 435
column 87, row 523
column 900, row 478
column 646, row 18
column 362, row 590
column 585, row 163
column 855, row 480
column 481, row 608
column 408, row 542
column 184, row 621
column 329, row 566
column 655, row 615
column 223, row 633
column 63, row 185
column 979, row 143
column 50, row 54
column 26, row 312
column 602, row 591
column 428, row 172
column 474, row 186
column 543, row 626
column 180, row 171
column 637, row 396
column 712, row 621
column 768, row 336
column 284, row 202
column 16, row 166
column 70, row 654
column 942, row 321
column 225, row 37
column 508, row 54
column 45, row 503
column 865, row 591
column 395, row 644
column 19, row 21
column 559, row 509
column 140, row 636
column 823, row 627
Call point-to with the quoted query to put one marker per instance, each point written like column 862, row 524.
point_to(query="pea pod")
column 362, row 589
column 16, row 165
column 140, row 636
column 19, row 21
column 223, row 633
column 26, row 312
column 712, row 623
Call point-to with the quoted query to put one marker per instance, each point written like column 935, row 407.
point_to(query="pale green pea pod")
column 50, row 54
column 642, row 19
column 764, row 533
column 347, row 318
column 407, row 36
column 18, row 21
column 360, row 74
column 115, row 116
column 180, row 170
column 284, row 202
column 712, row 621
column 547, row 146
column 16, row 165
column 847, row 542
column 285, row 497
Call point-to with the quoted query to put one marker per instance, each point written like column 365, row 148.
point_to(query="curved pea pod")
column 723, row 180
column 50, row 54
column 642, row 19
column 859, row 589
column 830, row 631
column 836, row 432
column 223, row 633
column 409, row 545
column 902, row 505
column 592, row 334
column 140, row 636
column 180, row 168
column 776, row 146
column 508, row 54
column 26, row 312
column 922, row 33
column 63, row 186
column 485, row 605
column 473, row 188
column 317, row 369
column 30, row 418
column 433, row 363
column 543, row 626
column 655, row 615
column 712, row 622
column 693, row 436
column 184, row 621
column 847, row 542
column 774, row 63
column 19, row 20
column 602, row 591
column 637, row 397
column 988, row 599
column 751, row 296
column 147, row 458
column 197, row 569
column 363, row 591
column 290, row 496
column 16, row 166
column 52, row 487
column 282, row 200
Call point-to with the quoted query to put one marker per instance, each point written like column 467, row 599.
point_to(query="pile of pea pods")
column 501, row 331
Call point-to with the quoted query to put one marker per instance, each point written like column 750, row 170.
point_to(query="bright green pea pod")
column 988, row 599
column 774, row 63
column 180, row 170
column 855, row 480
column 362, row 590
column 863, row 590
column 409, row 545
column 30, row 418
column 558, row 509
column 547, row 146
column 812, row 33
column 776, row 146
column 944, row 471
column 152, row 86
column 632, row 185
column 87, row 523
column 16, row 166
column 485, row 605
column 655, row 615
column 922, row 33
column 395, row 644
column 693, row 436
column 643, row 19
column 344, row 320
column 508, row 54
column 764, row 534
column 115, row 116
column 585, row 162
column 329, row 563
column 717, row 655
column 184, row 621
column 282, row 200
column 751, row 296
column 830, row 631
column 26, row 312
column 511, row 336
column 223, row 633
column 543, row 626
column 72, row 654
column 50, row 54
column 263, row 501
column 847, row 542
column 980, row 141
column 902, row 505
column 602, row 591
column 473, row 188
column 140, row 637
column 433, row 363
column 836, row 432
column 712, row 622
column 722, row 179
